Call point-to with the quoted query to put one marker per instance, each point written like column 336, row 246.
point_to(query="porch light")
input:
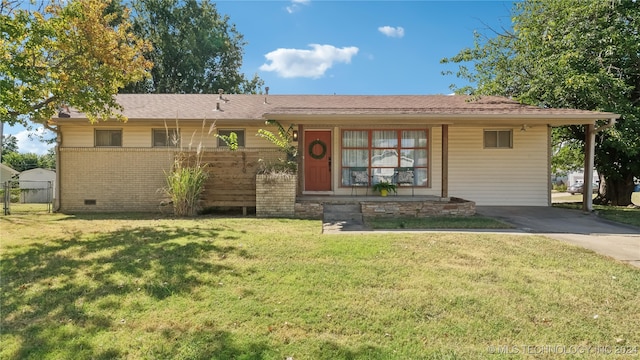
column 295, row 135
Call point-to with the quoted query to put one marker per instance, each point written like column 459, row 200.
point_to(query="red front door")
column 317, row 160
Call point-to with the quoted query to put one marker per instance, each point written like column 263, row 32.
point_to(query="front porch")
column 313, row 206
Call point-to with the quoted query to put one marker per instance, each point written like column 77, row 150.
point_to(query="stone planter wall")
column 312, row 210
column 276, row 195
column 453, row 207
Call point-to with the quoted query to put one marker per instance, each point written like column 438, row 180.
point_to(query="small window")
column 166, row 137
column 108, row 138
column 239, row 134
column 498, row 139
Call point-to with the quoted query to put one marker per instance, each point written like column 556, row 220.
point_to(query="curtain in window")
column 384, row 139
column 383, row 152
column 103, row 138
column 355, row 139
column 414, row 138
column 108, row 137
column 355, row 157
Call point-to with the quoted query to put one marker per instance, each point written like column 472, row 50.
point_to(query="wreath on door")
column 323, row 150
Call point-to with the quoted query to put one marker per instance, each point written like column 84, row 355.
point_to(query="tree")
column 582, row 54
column 9, row 145
column 195, row 50
column 21, row 162
column 25, row 161
column 72, row 53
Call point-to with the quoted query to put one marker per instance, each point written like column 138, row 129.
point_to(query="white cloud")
column 29, row 141
column 291, row 63
column 391, row 31
column 295, row 5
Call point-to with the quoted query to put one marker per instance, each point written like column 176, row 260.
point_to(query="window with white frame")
column 165, row 137
column 383, row 153
column 108, row 137
column 498, row 139
column 226, row 132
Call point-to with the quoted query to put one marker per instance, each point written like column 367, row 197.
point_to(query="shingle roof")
column 201, row 106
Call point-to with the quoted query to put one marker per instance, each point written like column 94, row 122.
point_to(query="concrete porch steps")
column 342, row 217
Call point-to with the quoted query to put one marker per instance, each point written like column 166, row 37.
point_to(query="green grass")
column 438, row 222
column 621, row 214
column 18, row 208
column 137, row 286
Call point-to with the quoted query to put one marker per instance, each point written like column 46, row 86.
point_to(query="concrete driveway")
column 621, row 242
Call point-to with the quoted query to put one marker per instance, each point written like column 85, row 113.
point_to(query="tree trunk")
column 615, row 192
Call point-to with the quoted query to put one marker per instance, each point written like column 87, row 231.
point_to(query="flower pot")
column 383, row 192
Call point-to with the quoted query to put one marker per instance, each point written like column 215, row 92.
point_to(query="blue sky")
column 351, row 47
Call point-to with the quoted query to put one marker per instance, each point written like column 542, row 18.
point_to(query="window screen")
column 166, row 137
column 108, row 138
column 498, row 139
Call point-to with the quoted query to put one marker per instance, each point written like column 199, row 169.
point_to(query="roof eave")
column 442, row 118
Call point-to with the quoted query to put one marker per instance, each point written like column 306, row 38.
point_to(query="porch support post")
column 589, row 153
column 300, row 161
column 445, row 161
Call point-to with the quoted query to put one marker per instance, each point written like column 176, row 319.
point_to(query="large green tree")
column 26, row 161
column 65, row 53
column 582, row 54
column 9, row 145
column 195, row 50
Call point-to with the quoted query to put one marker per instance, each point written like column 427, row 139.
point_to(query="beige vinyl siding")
column 140, row 135
column 516, row 176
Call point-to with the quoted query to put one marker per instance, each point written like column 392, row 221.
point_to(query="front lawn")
column 136, row 286
column 622, row 214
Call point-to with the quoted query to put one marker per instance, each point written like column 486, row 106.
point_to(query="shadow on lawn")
column 46, row 287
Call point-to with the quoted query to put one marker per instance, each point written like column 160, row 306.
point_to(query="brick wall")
column 275, row 195
column 117, row 179
column 131, row 179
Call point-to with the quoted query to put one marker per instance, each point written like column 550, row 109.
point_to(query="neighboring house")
column 37, row 186
column 6, row 173
column 489, row 150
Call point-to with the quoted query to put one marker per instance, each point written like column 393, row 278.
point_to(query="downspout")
column 587, row 197
column 56, row 129
column 56, row 205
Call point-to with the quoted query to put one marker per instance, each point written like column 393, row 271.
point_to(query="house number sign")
column 323, row 149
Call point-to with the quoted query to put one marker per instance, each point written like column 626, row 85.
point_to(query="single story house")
column 488, row 150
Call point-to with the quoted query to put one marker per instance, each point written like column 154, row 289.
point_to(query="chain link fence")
column 27, row 196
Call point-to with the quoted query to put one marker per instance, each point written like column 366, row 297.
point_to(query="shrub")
column 283, row 140
column 560, row 187
column 185, row 181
